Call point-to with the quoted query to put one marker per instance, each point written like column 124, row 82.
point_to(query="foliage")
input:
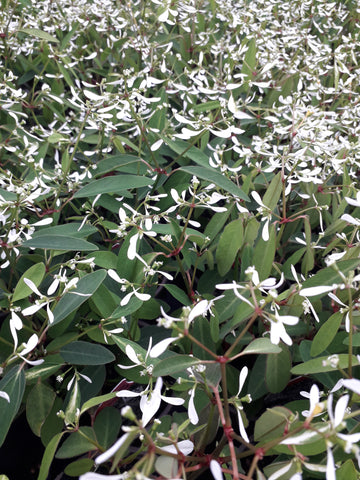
column 179, row 211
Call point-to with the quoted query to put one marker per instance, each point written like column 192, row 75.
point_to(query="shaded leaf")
column 85, row 353
column 13, row 384
column 38, row 406
column 35, row 274
column 60, row 242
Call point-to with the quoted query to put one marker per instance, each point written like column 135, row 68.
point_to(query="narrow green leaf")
column 114, row 162
column 261, row 345
column 229, row 244
column 86, row 353
column 264, row 254
column 71, row 301
column 273, row 192
column 36, row 274
column 38, row 406
column 115, row 184
column 71, row 229
column 215, row 177
column 48, row 456
column 13, row 384
column 326, row 334
column 321, row 364
column 96, row 401
column 174, row 364
column 35, row 32
column 278, row 367
column 41, row 371
column 60, row 242
column 177, row 293
column 206, row 106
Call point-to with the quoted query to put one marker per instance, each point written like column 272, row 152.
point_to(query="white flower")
column 141, row 296
column 15, row 324
column 193, row 416
column 28, row 347
column 44, row 301
column 150, row 400
column 277, row 331
column 316, row 407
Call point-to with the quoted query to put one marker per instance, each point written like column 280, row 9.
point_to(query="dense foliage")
column 179, row 211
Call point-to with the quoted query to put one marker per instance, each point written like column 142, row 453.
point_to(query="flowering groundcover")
column 179, row 212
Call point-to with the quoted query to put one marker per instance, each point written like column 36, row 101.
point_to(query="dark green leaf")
column 230, row 242
column 60, row 242
column 86, row 353
column 13, row 384
column 115, row 184
column 38, row 406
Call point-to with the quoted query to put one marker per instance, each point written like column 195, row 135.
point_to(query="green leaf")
column 96, row 401
column 38, row 406
column 242, row 313
column 326, row 334
column 35, row 32
column 114, row 162
column 347, row 471
column 115, row 184
column 71, row 229
column 278, row 367
column 271, row 424
column 36, row 274
column 76, row 444
column 87, row 285
column 215, row 177
column 230, row 242
column 60, row 242
column 264, row 254
column 177, row 293
column 273, row 192
column 174, row 364
column 250, row 59
column 201, row 331
column 261, row 345
column 107, row 425
column 77, row 468
column 316, row 365
column 86, row 353
column 13, row 384
column 48, row 456
column 206, row 106
column 41, row 371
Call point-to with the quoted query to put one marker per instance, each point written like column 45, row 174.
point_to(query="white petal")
column 280, row 472
column 127, row 393
column 98, row 476
column 132, row 247
column 30, row 345
column 44, row 221
column 93, row 96
column 241, row 426
column 313, row 291
column 5, row 395
column 265, row 231
column 173, row 400
column 112, row 450
column 215, row 469
column 199, row 309
column 115, row 276
column 160, row 347
column 130, row 352
column 50, row 314
column 330, row 466
column 340, row 409
column 33, row 309
column 352, row 384
column 193, row 416
column 155, row 146
column 185, row 447
column 257, row 198
column 32, row 285
column 54, row 285
column 142, row 296
column 126, row 299
column 242, row 378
